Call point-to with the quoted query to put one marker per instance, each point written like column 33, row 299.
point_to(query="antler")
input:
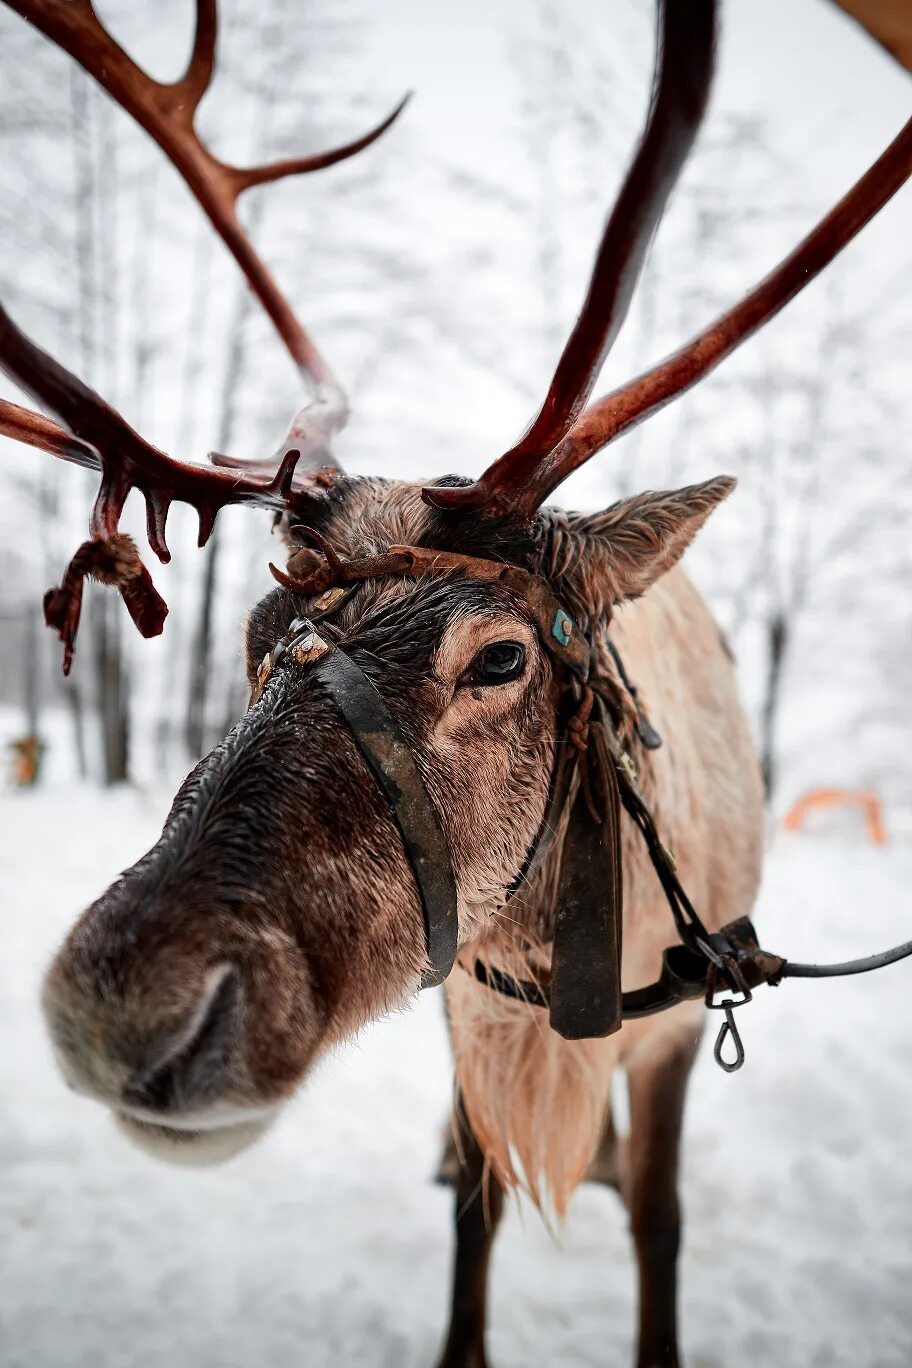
column 167, row 112
column 98, row 436
column 101, row 439
column 561, row 438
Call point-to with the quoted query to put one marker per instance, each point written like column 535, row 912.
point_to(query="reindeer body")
column 278, row 913
column 538, row 1102
column 282, row 907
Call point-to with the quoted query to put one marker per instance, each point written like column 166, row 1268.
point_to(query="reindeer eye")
column 498, row 663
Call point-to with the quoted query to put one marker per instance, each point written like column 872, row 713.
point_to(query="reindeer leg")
column 606, row 1164
column 657, row 1077
column 450, row 1165
column 479, row 1204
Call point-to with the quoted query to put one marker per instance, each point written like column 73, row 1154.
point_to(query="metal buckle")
column 729, row 967
column 303, row 641
column 310, row 648
column 330, row 598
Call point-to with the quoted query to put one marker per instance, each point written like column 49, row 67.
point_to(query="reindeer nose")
column 192, row 1066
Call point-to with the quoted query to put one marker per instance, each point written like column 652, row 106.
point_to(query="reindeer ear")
column 618, row 554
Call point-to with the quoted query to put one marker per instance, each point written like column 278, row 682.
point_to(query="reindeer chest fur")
column 538, row 1103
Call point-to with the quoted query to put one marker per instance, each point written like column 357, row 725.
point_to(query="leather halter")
column 380, row 739
column 593, row 774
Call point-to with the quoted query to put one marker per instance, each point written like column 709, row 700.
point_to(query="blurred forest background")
column 440, row 271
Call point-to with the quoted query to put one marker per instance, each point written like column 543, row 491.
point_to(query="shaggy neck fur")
column 538, row 1103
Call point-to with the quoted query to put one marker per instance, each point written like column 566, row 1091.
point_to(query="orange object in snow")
column 864, row 799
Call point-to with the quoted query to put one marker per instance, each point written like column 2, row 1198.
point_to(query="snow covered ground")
column 329, row 1245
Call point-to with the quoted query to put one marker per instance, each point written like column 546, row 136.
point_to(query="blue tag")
column 562, row 627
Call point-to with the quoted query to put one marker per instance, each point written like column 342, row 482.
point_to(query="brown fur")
column 538, row 1102
column 281, row 880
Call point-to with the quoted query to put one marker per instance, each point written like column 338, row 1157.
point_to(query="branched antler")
column 683, row 70
column 564, row 434
column 101, row 439
column 562, row 438
column 167, row 112
column 98, row 436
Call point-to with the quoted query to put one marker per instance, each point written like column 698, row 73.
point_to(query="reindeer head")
column 279, row 911
column 283, row 907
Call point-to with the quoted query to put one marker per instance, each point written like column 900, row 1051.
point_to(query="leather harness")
column 593, row 776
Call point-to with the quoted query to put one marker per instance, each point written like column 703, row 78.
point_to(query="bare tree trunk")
column 73, row 696
column 201, row 652
column 113, row 681
column 778, row 640
column 196, row 732
column 97, row 291
column 31, row 675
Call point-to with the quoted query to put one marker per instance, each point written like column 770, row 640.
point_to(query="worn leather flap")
column 586, row 956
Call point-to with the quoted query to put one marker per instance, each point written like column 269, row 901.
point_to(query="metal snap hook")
column 727, row 1028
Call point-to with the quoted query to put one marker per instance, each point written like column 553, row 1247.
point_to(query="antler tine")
column 99, row 437
column 167, row 113
column 685, row 44
column 23, row 425
column 197, row 79
column 246, row 177
column 103, row 440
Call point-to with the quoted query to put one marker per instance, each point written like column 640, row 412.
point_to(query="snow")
column 328, row 1244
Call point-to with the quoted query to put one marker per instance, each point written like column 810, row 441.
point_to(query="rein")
column 593, row 777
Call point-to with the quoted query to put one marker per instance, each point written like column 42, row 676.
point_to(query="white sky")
column 800, row 59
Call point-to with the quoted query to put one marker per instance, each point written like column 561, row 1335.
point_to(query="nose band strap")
column 392, row 764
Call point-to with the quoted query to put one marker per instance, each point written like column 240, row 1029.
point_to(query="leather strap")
column 584, row 995
column 390, row 759
column 562, row 779
column 689, row 926
column 684, row 977
column 586, row 951
column 645, row 730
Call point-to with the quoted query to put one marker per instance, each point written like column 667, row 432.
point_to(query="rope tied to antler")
column 311, row 571
column 113, row 561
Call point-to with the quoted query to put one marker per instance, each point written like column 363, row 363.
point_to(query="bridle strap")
column 683, row 977
column 584, row 993
column 329, row 582
column 327, row 576
column 390, row 759
column 563, row 777
column 705, row 964
column 588, row 921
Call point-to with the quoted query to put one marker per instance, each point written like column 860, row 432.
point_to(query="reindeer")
column 405, row 802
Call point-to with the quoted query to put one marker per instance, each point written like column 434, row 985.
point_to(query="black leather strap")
column 684, row 976
column 586, row 951
column 390, row 758
column 689, row 925
column 856, row 966
column 584, row 995
column 562, row 777
column 645, row 730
